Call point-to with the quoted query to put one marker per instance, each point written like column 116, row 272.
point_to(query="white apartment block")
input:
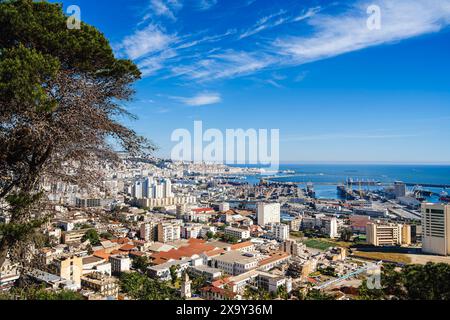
column 268, row 213
column 436, row 229
column 330, row 227
column 149, row 231
column 281, row 231
column 169, row 231
column 191, row 231
column 241, row 234
column 119, row 264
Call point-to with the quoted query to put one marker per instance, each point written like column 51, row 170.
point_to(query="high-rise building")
column 137, row 190
column 167, row 189
column 330, row 227
column 399, row 189
column 436, row 228
column 268, row 213
column 149, row 231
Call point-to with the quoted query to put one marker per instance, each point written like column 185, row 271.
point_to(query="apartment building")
column 436, row 229
column 69, row 268
column 241, row 234
column 169, row 231
column 268, row 213
column 149, row 231
column 388, row 234
column 281, row 231
column 100, row 283
column 119, row 264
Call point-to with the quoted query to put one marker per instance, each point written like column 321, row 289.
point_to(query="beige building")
column 100, row 283
column 69, row 268
column 75, row 236
column 388, row 234
column 436, row 228
column 241, row 234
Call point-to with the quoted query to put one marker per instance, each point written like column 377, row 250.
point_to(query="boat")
column 444, row 197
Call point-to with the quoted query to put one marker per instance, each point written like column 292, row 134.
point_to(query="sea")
column 335, row 174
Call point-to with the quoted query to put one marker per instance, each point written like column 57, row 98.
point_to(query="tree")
column 39, row 293
column 107, row 236
column 92, row 236
column 141, row 263
column 346, row 235
column 174, row 273
column 60, row 95
column 318, row 295
column 413, row 282
column 141, row 287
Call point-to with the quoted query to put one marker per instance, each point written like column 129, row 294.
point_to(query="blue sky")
column 336, row 90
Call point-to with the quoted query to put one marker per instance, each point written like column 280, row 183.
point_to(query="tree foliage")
column 60, row 111
column 413, row 282
column 92, row 236
column 141, row 287
column 39, row 293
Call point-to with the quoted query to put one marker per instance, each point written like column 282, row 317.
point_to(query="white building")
column 119, row 264
column 436, row 229
column 330, row 227
column 241, row 234
column 234, row 263
column 149, row 231
column 268, row 213
column 191, row 231
column 281, row 231
column 224, row 206
column 169, row 231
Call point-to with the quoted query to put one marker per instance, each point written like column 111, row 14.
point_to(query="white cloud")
column 201, row 99
column 322, row 35
column 165, row 8
column 225, row 65
column 149, row 40
column 335, row 35
column 206, row 4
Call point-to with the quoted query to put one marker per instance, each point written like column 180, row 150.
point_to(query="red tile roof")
column 222, row 292
column 200, row 210
column 241, row 245
column 194, row 247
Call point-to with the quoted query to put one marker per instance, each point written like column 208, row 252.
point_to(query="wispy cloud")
column 322, row 35
column 223, row 66
column 206, row 4
column 347, row 32
column 165, row 8
column 202, row 99
column 149, row 40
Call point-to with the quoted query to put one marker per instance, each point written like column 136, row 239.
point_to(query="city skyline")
column 337, row 91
